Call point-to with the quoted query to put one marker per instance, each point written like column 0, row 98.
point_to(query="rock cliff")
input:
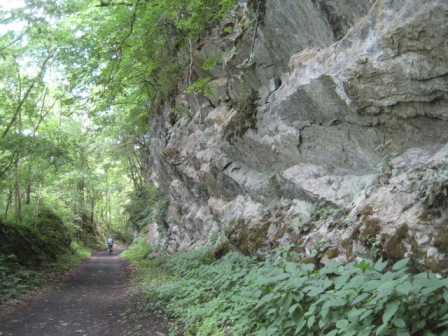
column 323, row 124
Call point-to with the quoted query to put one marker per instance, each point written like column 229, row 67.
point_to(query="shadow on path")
column 93, row 301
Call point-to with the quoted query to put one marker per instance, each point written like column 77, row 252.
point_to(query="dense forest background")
column 79, row 81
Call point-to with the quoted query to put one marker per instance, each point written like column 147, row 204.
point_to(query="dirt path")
column 92, row 301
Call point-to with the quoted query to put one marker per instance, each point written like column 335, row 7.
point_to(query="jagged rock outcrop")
column 325, row 125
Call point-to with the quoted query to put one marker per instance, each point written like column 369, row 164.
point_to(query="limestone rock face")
column 325, row 125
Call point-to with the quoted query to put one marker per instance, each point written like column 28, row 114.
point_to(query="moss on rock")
column 245, row 117
column 441, row 239
column 332, row 252
column 369, row 233
column 393, row 247
column 402, row 231
column 248, row 240
column 221, row 249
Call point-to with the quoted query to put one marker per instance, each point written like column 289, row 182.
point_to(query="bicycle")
column 110, row 243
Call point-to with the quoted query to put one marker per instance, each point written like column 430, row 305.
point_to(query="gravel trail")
column 92, row 301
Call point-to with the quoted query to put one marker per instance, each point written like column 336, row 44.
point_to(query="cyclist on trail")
column 110, row 243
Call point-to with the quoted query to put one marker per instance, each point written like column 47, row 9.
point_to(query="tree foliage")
column 79, row 82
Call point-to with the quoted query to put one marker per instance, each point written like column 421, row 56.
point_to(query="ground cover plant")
column 238, row 295
column 18, row 277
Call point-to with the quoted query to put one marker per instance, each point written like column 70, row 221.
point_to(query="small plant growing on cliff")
column 200, row 86
column 432, row 188
column 214, row 60
column 321, row 213
column 169, row 152
column 245, row 117
column 382, row 168
column 147, row 204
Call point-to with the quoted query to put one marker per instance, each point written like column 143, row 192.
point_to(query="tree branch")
column 14, row 41
column 25, row 96
column 8, row 166
column 107, row 4
column 134, row 17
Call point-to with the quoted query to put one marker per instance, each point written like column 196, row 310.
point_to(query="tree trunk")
column 18, row 201
column 9, row 201
column 36, row 207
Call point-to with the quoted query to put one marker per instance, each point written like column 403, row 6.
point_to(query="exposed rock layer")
column 326, row 126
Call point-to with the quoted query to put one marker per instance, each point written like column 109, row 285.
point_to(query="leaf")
column 404, row 288
column 380, row 265
column 293, row 308
column 315, row 291
column 443, row 324
column 400, row 264
column 385, row 289
column 357, row 281
column 295, row 312
column 265, row 299
column 366, row 313
column 364, row 265
column 372, row 285
column 380, row 329
column 337, row 301
column 342, row 324
column 300, row 325
column 354, row 312
column 324, row 310
column 444, row 317
column 360, row 298
column 399, row 322
column 310, row 321
column 390, row 310
column 340, row 281
column 430, row 286
column 322, row 323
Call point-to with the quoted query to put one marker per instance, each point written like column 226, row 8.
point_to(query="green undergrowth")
column 17, row 278
column 35, row 242
column 35, row 251
column 238, row 295
column 138, row 252
column 78, row 252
